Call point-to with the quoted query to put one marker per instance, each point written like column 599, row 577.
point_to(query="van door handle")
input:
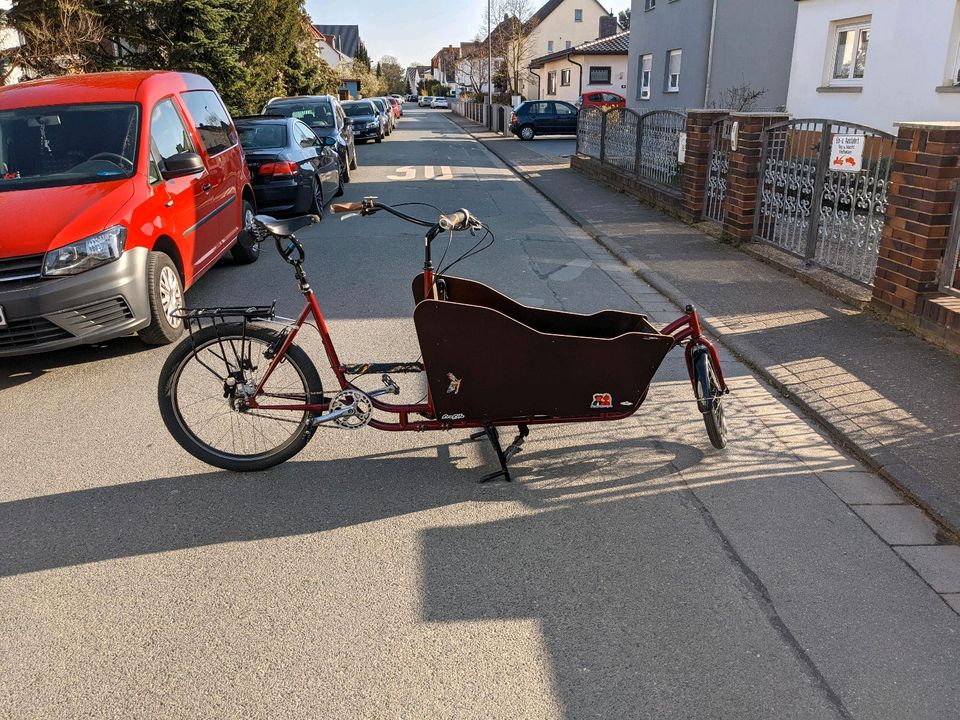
column 206, row 187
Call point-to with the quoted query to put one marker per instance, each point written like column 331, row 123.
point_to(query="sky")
column 413, row 30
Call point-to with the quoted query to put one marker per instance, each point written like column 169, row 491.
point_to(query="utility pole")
column 489, row 70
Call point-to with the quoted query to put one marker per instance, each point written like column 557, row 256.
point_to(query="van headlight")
column 86, row 254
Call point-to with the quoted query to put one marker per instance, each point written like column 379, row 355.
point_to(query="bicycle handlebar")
column 456, row 221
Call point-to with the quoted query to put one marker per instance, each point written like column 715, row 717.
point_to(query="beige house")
column 564, row 24
column 596, row 66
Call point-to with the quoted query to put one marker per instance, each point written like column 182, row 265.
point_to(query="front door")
column 187, row 198
column 566, row 119
column 217, row 138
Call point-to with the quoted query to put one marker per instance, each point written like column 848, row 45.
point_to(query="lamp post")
column 489, row 70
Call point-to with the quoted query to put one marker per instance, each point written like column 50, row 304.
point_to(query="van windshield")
column 67, row 145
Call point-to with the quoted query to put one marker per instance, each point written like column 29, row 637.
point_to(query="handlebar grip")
column 455, row 221
column 346, row 207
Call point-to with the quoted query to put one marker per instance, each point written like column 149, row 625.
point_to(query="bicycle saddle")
column 287, row 227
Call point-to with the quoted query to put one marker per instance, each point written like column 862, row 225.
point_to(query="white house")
column 596, row 66
column 876, row 62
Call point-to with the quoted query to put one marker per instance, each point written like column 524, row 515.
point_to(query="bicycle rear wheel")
column 202, row 390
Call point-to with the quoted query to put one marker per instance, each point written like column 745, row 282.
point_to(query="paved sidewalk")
column 887, row 395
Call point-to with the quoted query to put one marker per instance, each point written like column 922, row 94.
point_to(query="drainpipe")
column 580, row 81
column 713, row 32
column 534, row 73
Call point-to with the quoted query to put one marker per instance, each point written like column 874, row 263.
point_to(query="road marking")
column 404, row 173
column 409, row 172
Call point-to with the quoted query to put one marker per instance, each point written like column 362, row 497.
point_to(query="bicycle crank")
column 349, row 409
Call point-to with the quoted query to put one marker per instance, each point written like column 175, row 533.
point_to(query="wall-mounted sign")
column 734, row 134
column 682, row 148
column 846, row 153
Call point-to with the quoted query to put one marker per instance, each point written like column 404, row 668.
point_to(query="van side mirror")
column 182, row 164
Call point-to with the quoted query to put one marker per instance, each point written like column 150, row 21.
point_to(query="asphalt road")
column 631, row 571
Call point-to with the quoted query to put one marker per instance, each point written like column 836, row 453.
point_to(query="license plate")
column 3, row 318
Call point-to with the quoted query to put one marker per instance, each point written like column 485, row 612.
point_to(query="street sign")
column 846, row 153
column 682, row 149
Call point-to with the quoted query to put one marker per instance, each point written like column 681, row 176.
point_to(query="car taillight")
column 513, row 118
column 280, row 168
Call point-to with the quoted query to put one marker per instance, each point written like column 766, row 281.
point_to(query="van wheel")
column 527, row 133
column 353, row 160
column 345, row 174
column 166, row 297
column 247, row 248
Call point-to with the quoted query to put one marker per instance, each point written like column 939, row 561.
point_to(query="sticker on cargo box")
column 454, row 387
column 601, row 401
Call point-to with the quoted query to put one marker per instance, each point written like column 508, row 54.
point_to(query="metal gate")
column 715, row 195
column 830, row 217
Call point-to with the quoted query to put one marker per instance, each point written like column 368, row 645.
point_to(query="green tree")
column 624, row 19
column 362, row 56
column 393, row 75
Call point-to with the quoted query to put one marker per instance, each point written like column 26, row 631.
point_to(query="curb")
column 891, row 468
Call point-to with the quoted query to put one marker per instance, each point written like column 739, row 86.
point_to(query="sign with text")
column 846, row 154
column 682, row 149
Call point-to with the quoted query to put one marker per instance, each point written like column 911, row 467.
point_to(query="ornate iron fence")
column 950, row 269
column 619, row 139
column 828, row 216
column 642, row 145
column 589, row 123
column 718, row 167
column 659, row 142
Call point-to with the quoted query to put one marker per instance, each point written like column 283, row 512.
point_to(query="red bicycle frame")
column 685, row 328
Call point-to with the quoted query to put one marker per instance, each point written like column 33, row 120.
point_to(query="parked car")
column 386, row 114
column 439, row 102
column 118, row 191
column 543, row 117
column 603, row 99
column 411, row 98
column 292, row 169
column 424, row 100
column 366, row 120
column 395, row 106
column 325, row 116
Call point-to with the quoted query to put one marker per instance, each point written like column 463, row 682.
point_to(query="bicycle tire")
column 189, row 438
column 710, row 399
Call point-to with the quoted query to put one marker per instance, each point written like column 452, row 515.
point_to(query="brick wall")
column 660, row 197
column 694, row 181
column 744, row 175
column 921, row 196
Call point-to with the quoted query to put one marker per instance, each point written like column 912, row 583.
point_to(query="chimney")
column 608, row 26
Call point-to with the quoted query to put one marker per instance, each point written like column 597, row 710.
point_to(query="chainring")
column 362, row 409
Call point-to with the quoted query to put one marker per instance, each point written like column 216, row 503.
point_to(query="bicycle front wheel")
column 203, row 389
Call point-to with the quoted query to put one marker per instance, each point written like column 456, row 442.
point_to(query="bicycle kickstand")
column 502, row 455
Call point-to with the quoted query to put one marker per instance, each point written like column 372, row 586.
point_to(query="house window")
column 565, row 78
column 567, row 45
column 850, row 41
column 549, row 46
column 651, row 4
column 646, row 71
column 578, row 15
column 600, row 75
column 552, row 82
column 673, row 70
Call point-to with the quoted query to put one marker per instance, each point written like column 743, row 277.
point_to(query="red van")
column 117, row 192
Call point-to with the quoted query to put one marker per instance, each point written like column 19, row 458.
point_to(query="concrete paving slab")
column 860, row 488
column 939, row 565
column 953, row 600
column 899, row 524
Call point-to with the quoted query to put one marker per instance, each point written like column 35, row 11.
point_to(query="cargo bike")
column 240, row 394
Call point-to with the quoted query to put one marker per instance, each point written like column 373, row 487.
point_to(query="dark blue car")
column 543, row 117
column 293, row 171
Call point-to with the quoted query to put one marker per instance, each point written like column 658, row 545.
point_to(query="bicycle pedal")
column 391, row 385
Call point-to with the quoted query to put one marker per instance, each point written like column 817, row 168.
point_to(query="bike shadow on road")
column 296, row 498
